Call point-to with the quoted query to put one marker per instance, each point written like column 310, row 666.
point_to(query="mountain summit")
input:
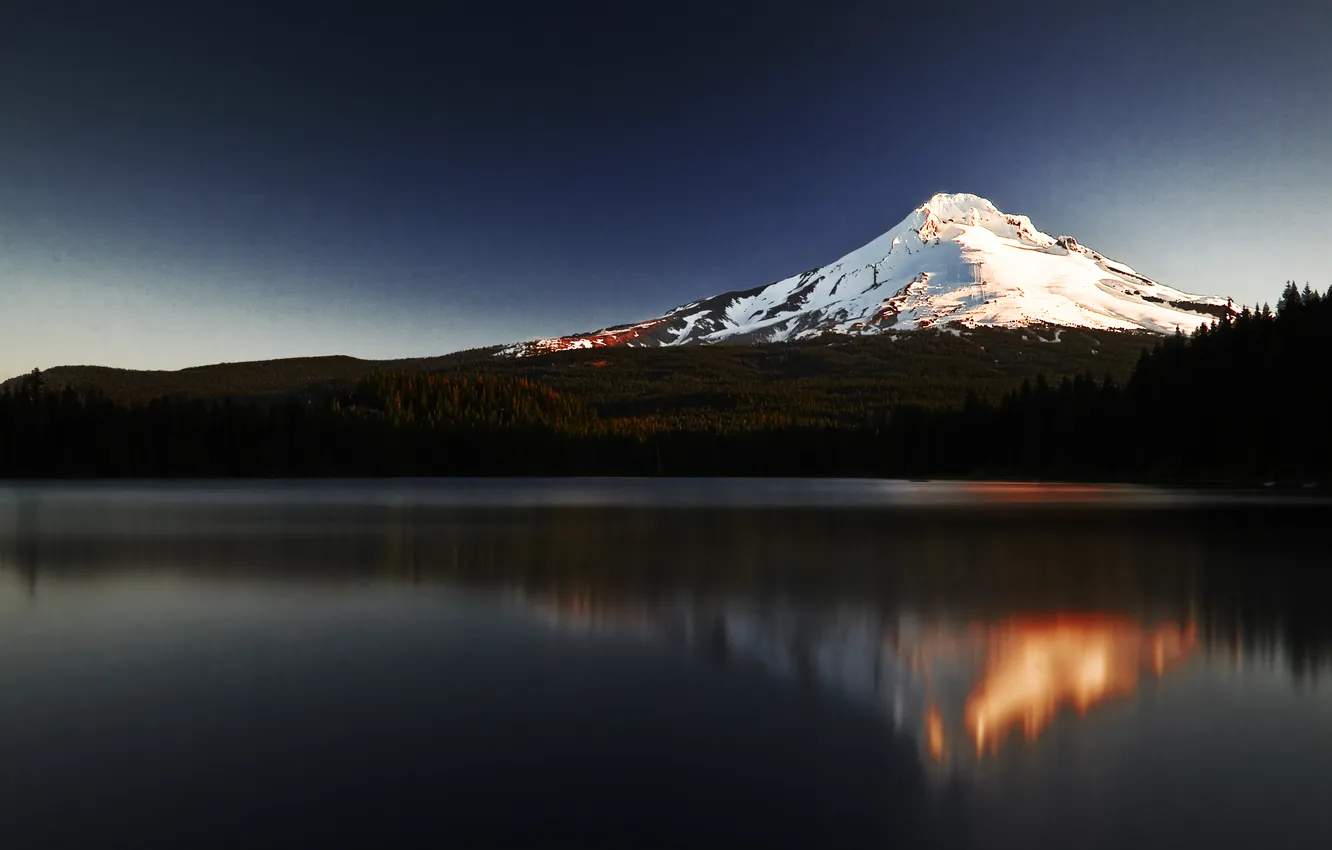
column 955, row 260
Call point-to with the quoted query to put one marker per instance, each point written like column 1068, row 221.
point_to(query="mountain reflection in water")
column 1038, row 665
column 1034, row 665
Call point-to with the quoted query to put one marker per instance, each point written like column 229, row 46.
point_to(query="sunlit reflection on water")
column 1038, row 665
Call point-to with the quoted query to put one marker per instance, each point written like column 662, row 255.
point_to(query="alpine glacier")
column 957, row 260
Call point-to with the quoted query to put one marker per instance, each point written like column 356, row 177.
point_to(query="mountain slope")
column 956, row 260
column 698, row 387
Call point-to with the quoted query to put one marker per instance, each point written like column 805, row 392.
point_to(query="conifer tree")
column 33, row 386
column 1290, row 299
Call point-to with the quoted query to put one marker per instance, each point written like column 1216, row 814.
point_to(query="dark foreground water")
column 631, row 664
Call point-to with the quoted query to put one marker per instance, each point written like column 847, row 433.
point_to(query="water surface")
column 639, row 663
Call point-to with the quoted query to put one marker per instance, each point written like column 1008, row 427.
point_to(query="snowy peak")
column 968, row 209
column 956, row 206
column 955, row 260
column 975, row 211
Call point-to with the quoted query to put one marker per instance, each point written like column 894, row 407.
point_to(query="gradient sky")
column 187, row 182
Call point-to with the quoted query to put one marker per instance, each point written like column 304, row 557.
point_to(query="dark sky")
column 185, row 182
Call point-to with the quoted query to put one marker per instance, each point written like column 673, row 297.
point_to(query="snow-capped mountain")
column 956, row 260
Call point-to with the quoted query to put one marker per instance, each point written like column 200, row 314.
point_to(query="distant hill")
column 834, row 378
column 250, row 379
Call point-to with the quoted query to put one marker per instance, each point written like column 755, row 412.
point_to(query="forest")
column 1245, row 401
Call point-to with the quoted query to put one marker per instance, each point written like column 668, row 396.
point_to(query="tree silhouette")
column 33, row 387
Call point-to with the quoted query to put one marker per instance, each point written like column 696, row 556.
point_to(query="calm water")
column 832, row 664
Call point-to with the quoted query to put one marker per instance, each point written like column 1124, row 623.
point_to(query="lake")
column 631, row 663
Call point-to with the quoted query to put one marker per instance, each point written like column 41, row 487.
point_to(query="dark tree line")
column 390, row 424
column 1245, row 400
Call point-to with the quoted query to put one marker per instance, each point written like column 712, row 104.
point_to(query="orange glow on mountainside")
column 607, row 338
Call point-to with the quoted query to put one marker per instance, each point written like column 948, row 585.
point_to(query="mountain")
column 956, row 260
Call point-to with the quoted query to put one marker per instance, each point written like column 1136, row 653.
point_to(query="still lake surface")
column 662, row 663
